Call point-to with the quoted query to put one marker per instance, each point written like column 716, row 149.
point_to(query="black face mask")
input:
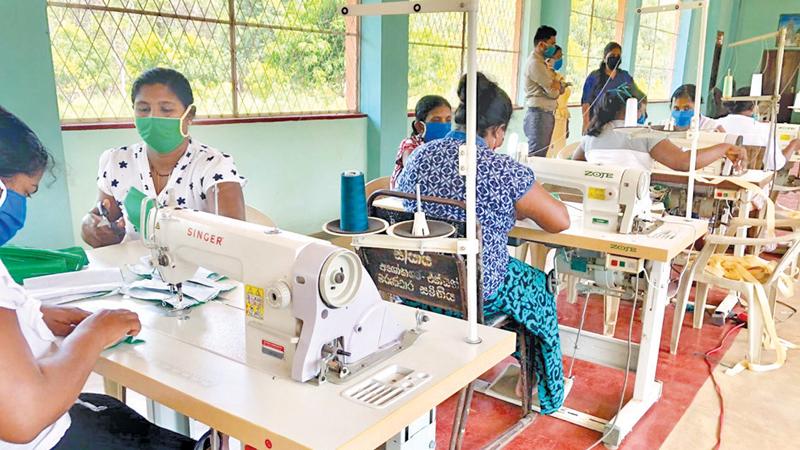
column 612, row 62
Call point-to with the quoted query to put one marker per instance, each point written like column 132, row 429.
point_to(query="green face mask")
column 162, row 134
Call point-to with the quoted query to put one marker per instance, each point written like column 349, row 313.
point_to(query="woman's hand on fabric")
column 62, row 320
column 111, row 325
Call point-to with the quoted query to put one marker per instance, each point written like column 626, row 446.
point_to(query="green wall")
column 27, row 88
column 384, row 87
column 293, row 167
column 756, row 17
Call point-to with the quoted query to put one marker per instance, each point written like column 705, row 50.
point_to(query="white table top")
column 759, row 178
column 198, row 367
column 646, row 246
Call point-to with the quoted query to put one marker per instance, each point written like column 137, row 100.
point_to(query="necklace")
column 153, row 170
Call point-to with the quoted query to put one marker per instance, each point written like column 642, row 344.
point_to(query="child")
column 432, row 120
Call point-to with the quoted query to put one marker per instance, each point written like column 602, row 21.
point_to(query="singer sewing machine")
column 614, row 199
column 311, row 311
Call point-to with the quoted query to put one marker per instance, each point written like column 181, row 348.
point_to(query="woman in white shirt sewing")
column 743, row 121
column 168, row 163
column 604, row 144
column 41, row 379
column 683, row 110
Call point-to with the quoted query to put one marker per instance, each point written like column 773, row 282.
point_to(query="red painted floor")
column 596, row 390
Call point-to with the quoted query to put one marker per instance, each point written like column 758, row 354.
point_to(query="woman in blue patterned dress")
column 507, row 191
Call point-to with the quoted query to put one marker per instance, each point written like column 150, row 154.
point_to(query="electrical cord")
column 627, row 369
column 578, row 336
column 707, row 359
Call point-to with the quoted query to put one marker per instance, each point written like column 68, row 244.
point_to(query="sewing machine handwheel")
column 340, row 278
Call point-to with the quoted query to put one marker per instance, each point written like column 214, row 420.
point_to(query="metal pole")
column 776, row 99
column 471, row 178
column 697, row 96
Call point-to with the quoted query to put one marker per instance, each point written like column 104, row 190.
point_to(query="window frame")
column 676, row 35
column 351, row 80
column 619, row 37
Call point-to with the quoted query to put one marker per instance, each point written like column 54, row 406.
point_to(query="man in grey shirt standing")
column 542, row 88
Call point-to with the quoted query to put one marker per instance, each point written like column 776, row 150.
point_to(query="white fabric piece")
column 630, row 159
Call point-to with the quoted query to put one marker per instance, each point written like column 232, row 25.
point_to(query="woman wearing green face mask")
column 167, row 163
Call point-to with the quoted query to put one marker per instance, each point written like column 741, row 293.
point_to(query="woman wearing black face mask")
column 608, row 76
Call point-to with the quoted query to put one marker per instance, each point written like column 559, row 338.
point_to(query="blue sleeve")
column 407, row 180
column 520, row 178
column 588, row 87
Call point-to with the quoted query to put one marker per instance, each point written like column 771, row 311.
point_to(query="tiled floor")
column 761, row 409
column 596, row 391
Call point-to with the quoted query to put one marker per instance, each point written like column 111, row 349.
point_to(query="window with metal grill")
column 592, row 24
column 655, row 50
column 244, row 58
column 437, row 49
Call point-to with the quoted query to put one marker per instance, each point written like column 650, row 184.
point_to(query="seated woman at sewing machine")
column 683, row 110
column 432, row 120
column 41, row 378
column 167, row 164
column 507, row 191
column 603, row 142
column 743, row 120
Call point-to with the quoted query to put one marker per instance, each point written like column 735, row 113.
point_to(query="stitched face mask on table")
column 162, row 134
column 682, row 118
column 12, row 213
column 435, row 130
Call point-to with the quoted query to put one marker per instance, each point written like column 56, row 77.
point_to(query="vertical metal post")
column 471, row 179
column 234, row 72
column 697, row 98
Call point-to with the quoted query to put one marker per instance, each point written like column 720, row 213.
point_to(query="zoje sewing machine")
column 614, row 199
column 614, row 261
column 311, row 310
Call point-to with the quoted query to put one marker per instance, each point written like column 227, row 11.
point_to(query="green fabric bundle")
column 133, row 206
column 23, row 262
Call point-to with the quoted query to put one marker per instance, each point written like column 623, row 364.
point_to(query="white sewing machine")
column 614, row 199
column 311, row 310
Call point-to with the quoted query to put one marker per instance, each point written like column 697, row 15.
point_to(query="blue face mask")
column 550, row 51
column 558, row 64
column 436, row 130
column 682, row 118
column 12, row 215
column 642, row 119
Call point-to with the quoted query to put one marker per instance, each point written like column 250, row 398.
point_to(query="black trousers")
column 117, row 427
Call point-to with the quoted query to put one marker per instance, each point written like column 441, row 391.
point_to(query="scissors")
column 105, row 221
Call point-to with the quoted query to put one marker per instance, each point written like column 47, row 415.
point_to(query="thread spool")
column 631, row 112
column 353, row 202
column 755, row 85
column 727, row 85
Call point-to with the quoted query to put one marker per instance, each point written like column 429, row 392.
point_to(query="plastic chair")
column 377, row 184
column 253, row 215
column 371, row 257
column 719, row 244
column 566, row 152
